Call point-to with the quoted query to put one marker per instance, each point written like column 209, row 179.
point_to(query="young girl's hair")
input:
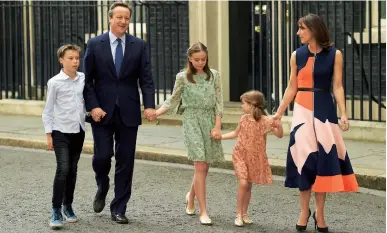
column 257, row 100
column 190, row 69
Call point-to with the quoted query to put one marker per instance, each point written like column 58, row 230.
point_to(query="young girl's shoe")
column 238, row 221
column 246, row 219
column 205, row 220
column 188, row 211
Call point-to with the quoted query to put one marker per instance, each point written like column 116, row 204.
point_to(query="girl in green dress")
column 197, row 95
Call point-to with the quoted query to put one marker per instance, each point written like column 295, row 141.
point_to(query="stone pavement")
column 360, row 130
column 157, row 202
column 165, row 143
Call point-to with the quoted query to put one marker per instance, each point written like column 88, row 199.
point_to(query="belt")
column 313, row 89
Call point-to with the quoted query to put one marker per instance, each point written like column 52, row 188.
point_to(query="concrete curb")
column 366, row 181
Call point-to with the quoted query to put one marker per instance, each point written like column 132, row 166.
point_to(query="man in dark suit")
column 114, row 64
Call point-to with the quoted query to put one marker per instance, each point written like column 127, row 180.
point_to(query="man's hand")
column 97, row 114
column 150, row 114
column 49, row 142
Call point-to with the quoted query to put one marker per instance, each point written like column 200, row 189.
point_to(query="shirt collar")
column 113, row 38
column 64, row 76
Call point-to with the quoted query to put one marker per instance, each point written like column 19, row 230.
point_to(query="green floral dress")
column 198, row 103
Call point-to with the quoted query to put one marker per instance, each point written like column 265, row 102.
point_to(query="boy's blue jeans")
column 67, row 147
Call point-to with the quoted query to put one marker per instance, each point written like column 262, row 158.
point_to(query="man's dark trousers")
column 124, row 149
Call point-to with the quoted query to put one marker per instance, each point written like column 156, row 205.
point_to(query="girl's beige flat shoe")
column 246, row 219
column 188, row 211
column 205, row 220
column 238, row 221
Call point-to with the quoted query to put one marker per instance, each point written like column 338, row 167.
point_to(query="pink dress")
column 249, row 156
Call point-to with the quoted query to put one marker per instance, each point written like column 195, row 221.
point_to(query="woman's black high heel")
column 303, row 228
column 319, row 229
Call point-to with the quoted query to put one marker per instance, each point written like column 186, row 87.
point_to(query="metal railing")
column 357, row 28
column 32, row 31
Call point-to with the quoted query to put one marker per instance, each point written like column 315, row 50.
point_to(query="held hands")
column 150, row 114
column 97, row 114
column 276, row 120
column 216, row 133
column 277, row 116
column 344, row 123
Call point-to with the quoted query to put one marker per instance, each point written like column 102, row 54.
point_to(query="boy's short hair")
column 116, row 4
column 61, row 51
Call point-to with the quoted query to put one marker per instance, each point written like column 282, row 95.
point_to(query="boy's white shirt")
column 65, row 107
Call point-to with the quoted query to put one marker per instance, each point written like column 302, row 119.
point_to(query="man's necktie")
column 119, row 56
column 118, row 60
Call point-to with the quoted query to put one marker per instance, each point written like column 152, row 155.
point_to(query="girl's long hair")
column 190, row 69
column 257, row 100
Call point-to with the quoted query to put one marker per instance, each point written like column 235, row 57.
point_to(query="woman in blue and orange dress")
column 317, row 159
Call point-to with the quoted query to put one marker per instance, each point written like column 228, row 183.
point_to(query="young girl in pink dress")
column 249, row 157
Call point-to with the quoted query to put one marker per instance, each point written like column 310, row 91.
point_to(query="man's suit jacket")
column 103, row 86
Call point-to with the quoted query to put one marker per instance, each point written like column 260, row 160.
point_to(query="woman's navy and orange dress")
column 317, row 158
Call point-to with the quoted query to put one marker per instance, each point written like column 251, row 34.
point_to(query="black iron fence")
column 357, row 28
column 32, row 31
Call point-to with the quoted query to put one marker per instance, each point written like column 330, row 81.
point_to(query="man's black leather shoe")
column 119, row 218
column 98, row 204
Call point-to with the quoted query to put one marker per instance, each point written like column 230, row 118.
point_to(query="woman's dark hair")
column 257, row 100
column 190, row 69
column 317, row 26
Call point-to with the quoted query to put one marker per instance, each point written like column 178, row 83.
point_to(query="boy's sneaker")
column 69, row 214
column 56, row 219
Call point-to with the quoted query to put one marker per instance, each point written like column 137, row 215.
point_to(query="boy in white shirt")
column 64, row 124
